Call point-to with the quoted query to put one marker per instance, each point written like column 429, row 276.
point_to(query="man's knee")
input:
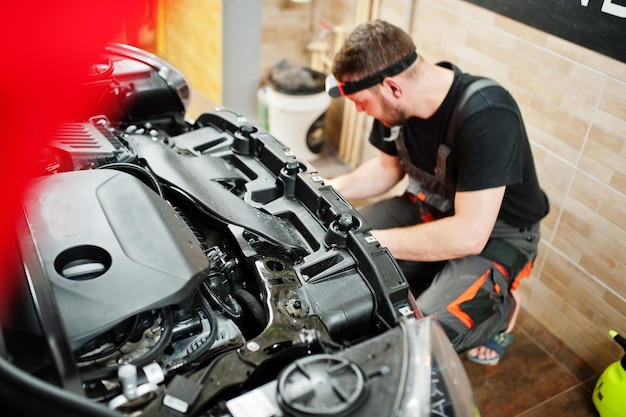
column 470, row 299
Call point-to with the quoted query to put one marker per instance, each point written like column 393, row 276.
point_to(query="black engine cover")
column 111, row 247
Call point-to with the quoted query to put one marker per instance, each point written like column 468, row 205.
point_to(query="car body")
column 176, row 267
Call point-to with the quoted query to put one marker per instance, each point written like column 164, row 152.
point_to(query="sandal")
column 498, row 344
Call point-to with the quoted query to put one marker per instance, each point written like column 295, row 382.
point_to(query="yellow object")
column 609, row 394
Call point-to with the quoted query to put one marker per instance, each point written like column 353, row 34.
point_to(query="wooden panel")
column 192, row 36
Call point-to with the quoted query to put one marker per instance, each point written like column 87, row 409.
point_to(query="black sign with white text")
column 599, row 25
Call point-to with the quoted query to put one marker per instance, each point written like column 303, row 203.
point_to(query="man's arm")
column 370, row 179
column 464, row 233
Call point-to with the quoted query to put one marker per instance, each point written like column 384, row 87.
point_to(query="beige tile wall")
column 286, row 30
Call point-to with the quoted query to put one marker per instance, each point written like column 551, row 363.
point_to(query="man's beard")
column 393, row 115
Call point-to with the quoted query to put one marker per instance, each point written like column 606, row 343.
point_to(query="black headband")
column 338, row 88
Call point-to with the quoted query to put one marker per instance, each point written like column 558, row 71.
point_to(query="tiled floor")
column 538, row 376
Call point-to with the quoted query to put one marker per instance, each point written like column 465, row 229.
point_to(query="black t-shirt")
column 490, row 149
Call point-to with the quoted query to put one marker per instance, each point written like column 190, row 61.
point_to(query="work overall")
column 470, row 296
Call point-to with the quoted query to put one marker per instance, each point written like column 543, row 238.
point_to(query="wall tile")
column 618, row 181
column 577, row 53
column 582, row 212
column 588, row 76
column 578, row 108
column 614, row 209
column 595, row 167
column 613, row 297
column 587, row 340
column 604, row 153
column 618, row 70
column 579, row 301
column 614, row 99
column 538, row 83
column 466, row 9
column 567, row 240
column 609, row 313
column 524, row 33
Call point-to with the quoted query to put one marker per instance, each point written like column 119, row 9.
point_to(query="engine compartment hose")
column 253, row 304
column 230, row 306
column 151, row 356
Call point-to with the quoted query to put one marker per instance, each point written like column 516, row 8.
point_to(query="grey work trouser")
column 470, row 296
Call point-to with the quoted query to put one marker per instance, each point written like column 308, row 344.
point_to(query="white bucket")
column 290, row 117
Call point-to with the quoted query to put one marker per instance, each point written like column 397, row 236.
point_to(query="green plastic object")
column 609, row 394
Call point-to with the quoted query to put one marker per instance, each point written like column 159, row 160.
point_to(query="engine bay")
column 172, row 251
